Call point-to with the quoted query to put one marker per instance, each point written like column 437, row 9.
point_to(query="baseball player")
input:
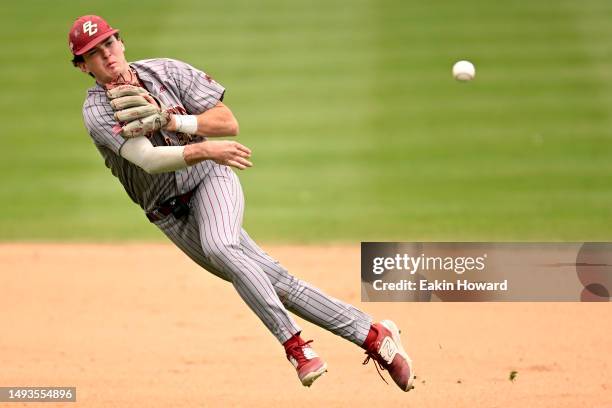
column 150, row 121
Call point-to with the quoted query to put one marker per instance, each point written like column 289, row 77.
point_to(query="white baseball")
column 464, row 71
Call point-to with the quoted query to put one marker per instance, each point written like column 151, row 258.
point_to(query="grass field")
column 358, row 130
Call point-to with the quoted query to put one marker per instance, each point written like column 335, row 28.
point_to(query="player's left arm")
column 202, row 98
column 216, row 121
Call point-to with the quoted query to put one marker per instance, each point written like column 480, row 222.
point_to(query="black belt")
column 177, row 205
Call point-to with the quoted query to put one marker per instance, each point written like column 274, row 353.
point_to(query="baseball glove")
column 137, row 111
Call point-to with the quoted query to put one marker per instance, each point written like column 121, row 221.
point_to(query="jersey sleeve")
column 101, row 124
column 197, row 90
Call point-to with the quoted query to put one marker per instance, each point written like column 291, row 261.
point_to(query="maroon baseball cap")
column 87, row 32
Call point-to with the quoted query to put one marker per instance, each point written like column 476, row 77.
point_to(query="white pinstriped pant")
column 212, row 236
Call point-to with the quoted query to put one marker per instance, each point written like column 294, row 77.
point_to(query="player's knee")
column 285, row 286
column 224, row 255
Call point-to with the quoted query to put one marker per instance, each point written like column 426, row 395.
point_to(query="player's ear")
column 122, row 46
column 83, row 67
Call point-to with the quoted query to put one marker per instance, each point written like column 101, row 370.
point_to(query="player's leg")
column 309, row 302
column 218, row 205
column 302, row 298
column 380, row 340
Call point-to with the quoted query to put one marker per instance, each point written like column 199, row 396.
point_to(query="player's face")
column 106, row 61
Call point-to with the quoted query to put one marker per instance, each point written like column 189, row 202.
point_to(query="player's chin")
column 113, row 69
column 112, row 72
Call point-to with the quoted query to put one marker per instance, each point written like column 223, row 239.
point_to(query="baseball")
column 464, row 71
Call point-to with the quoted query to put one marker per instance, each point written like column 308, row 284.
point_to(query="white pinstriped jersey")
column 180, row 87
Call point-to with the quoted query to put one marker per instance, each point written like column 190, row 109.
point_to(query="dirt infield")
column 143, row 326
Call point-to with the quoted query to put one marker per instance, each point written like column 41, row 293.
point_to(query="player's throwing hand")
column 224, row 152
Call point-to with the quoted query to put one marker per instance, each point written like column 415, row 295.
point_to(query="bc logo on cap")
column 90, row 28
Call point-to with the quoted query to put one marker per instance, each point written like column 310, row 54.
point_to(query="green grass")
column 358, row 131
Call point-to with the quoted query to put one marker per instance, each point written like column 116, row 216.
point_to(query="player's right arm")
column 160, row 159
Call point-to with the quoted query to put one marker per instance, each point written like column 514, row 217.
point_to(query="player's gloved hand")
column 137, row 111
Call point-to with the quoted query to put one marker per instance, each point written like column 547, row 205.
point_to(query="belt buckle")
column 158, row 214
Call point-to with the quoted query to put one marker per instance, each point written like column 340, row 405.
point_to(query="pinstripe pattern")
column 143, row 188
column 212, row 233
column 212, row 236
column 176, row 85
column 309, row 302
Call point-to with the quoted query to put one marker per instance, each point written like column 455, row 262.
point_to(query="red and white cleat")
column 307, row 363
column 385, row 348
